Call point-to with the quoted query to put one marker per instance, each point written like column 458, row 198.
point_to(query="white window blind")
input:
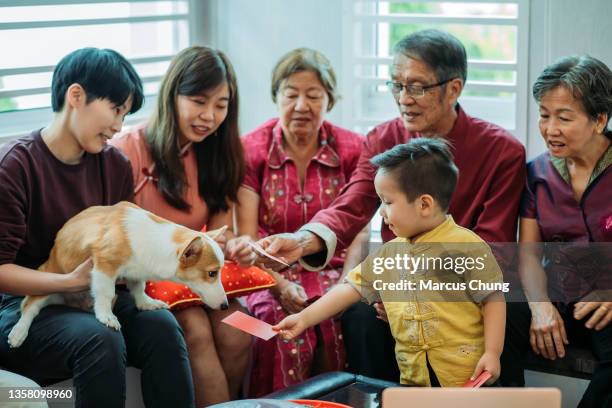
column 495, row 35
column 494, row 32
column 36, row 34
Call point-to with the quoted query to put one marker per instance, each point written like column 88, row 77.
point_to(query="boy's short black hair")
column 423, row 166
column 103, row 74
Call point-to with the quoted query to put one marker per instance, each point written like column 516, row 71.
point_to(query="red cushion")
column 237, row 281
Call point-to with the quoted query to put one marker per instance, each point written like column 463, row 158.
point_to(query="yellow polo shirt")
column 444, row 327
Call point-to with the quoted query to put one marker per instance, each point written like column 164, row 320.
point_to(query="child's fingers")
column 282, row 325
column 286, row 334
column 282, row 331
column 479, row 368
column 494, row 374
column 285, row 325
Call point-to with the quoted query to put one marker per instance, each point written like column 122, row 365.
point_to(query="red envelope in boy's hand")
column 478, row 381
column 250, row 325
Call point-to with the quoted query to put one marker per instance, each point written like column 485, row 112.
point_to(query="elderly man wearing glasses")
column 428, row 73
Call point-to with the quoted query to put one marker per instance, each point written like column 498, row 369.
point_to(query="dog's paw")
column 109, row 320
column 151, row 304
column 17, row 335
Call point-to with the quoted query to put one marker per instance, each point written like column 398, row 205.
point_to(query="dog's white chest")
column 154, row 254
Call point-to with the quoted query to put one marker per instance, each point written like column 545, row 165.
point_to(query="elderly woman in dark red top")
column 567, row 204
column 296, row 165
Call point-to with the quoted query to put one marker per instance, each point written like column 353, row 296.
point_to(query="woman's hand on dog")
column 239, row 251
column 78, row 280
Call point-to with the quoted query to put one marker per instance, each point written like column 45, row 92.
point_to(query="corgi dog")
column 126, row 242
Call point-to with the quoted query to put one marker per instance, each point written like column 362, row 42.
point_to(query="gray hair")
column 306, row 59
column 588, row 79
column 443, row 52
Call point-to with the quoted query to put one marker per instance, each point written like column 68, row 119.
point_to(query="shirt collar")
column 459, row 130
column 185, row 150
column 602, row 164
column 440, row 231
column 325, row 155
column 456, row 135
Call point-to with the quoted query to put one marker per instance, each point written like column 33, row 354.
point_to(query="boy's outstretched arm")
column 335, row 301
column 494, row 314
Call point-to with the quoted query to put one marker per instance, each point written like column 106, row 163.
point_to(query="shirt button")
column 425, row 347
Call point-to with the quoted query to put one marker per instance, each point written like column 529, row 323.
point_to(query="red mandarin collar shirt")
column 492, row 174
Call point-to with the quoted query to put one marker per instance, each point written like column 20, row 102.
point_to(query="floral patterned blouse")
column 271, row 173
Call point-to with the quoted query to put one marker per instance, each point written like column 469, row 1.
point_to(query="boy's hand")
column 291, row 326
column 490, row 362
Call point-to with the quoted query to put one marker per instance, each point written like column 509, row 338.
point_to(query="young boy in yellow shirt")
column 458, row 332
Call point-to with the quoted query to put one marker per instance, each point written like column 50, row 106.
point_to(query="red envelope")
column 250, row 325
column 257, row 248
column 478, row 381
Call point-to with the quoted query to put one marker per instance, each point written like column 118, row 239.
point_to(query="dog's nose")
column 224, row 306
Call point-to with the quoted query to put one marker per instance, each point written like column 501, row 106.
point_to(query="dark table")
column 354, row 390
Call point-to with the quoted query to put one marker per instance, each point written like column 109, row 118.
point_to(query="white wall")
column 255, row 34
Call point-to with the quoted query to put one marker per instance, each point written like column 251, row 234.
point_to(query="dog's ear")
column 214, row 234
column 191, row 253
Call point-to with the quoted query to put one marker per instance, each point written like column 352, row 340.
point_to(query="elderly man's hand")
column 287, row 246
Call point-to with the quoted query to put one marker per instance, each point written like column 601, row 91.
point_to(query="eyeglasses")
column 414, row 91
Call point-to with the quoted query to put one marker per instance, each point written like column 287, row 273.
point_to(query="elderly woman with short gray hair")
column 567, row 200
column 296, row 164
